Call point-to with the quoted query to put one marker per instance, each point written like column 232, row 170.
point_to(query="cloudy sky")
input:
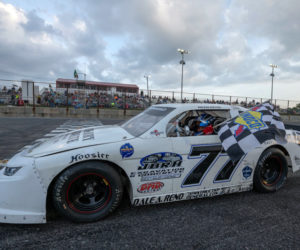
column 232, row 43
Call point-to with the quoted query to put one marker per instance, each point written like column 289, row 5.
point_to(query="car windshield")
column 146, row 120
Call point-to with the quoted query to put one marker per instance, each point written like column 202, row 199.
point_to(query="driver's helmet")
column 203, row 123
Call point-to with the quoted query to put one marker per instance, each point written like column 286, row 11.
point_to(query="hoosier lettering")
column 81, row 157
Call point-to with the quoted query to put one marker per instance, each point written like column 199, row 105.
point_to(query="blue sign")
column 126, row 150
column 247, row 171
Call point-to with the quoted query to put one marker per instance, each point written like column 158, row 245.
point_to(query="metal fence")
column 283, row 106
column 48, row 96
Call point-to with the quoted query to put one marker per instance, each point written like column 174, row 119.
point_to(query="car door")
column 205, row 165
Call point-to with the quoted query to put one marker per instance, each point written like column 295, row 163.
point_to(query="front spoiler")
column 21, row 217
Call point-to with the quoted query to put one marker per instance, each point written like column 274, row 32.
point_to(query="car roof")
column 195, row 106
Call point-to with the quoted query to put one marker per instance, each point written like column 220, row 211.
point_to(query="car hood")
column 78, row 139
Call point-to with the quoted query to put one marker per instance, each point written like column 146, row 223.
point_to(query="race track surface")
column 247, row 220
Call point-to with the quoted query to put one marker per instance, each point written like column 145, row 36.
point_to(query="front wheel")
column 87, row 191
column 271, row 171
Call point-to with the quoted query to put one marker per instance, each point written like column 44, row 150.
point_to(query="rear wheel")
column 87, row 191
column 271, row 171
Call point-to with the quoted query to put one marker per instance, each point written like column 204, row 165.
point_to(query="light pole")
column 182, row 62
column 147, row 77
column 272, row 75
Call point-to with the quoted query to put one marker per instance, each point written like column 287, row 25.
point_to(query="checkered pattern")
column 238, row 140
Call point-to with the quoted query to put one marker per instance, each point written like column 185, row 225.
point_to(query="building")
column 29, row 90
column 92, row 87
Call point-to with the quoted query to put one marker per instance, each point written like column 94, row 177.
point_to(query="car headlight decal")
column 10, row 171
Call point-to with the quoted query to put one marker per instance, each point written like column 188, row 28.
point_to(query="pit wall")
column 12, row 111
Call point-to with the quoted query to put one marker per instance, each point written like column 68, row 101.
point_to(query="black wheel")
column 271, row 171
column 87, row 191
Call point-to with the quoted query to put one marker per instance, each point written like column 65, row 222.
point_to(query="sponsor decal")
column 247, row 171
column 126, row 150
column 163, row 165
column 88, row 134
column 158, row 199
column 191, row 195
column 210, row 107
column 83, row 157
column 156, row 132
column 150, row 187
column 217, row 191
column 251, row 120
column 160, row 160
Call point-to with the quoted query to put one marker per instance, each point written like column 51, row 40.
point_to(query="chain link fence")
column 45, row 94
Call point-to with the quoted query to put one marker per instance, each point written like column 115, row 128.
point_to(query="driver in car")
column 203, row 127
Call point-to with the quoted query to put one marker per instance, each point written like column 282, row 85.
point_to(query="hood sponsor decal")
column 88, row 156
column 251, row 120
column 158, row 166
column 150, row 187
column 156, row 132
column 126, row 150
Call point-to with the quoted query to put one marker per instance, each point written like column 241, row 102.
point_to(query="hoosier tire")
column 271, row 171
column 87, row 191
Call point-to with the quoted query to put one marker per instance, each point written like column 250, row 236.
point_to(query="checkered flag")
column 250, row 129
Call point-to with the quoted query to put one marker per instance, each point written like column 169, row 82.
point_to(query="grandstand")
column 91, row 87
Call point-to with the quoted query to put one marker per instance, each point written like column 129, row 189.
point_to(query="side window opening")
column 196, row 122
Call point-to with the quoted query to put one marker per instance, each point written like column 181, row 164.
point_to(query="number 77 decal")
column 208, row 155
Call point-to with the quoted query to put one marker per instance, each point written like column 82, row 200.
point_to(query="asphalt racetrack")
column 247, row 220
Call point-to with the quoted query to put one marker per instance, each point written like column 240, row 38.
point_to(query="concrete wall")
column 12, row 111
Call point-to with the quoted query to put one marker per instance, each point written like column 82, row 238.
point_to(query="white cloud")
column 119, row 41
column 80, row 25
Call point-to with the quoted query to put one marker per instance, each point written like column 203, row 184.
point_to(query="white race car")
column 157, row 156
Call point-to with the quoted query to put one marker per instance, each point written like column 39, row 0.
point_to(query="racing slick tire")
column 87, row 191
column 271, row 171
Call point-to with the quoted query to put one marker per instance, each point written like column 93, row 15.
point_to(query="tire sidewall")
column 257, row 181
column 69, row 175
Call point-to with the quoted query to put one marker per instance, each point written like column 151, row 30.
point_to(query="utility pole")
column 182, row 62
column 147, row 78
column 272, row 75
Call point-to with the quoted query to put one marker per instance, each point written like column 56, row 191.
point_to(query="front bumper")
column 22, row 196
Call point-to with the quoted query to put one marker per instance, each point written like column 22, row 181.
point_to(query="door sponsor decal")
column 150, row 187
column 158, row 166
